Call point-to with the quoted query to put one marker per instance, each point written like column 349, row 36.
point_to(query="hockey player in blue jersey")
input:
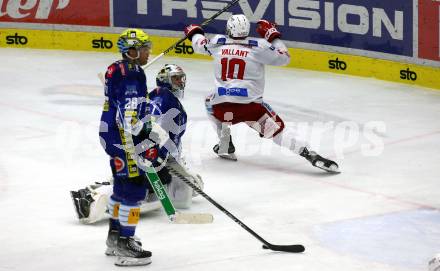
column 169, row 124
column 167, row 110
column 169, row 119
column 124, row 126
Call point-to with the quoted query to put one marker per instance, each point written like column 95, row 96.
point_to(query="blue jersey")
column 125, row 110
column 169, row 113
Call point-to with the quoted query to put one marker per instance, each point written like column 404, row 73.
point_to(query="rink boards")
column 400, row 72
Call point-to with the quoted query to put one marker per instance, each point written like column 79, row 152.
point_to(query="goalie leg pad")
column 129, row 261
column 179, row 171
column 91, row 202
column 180, row 194
column 97, row 209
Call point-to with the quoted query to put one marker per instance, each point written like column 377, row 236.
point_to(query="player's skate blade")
column 130, row 261
column 332, row 168
column 228, row 156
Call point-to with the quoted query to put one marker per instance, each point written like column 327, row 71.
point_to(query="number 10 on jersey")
column 229, row 67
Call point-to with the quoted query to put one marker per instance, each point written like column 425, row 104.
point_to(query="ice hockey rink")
column 381, row 213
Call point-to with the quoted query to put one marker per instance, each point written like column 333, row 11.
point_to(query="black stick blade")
column 286, row 248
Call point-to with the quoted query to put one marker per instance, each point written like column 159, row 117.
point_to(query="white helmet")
column 172, row 77
column 238, row 26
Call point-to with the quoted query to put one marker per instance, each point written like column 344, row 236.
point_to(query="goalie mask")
column 238, row 26
column 172, row 77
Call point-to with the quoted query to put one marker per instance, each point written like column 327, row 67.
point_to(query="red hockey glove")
column 193, row 29
column 268, row 30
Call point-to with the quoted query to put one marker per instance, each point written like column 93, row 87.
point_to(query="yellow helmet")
column 133, row 38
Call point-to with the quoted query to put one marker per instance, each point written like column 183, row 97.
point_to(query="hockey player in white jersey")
column 239, row 85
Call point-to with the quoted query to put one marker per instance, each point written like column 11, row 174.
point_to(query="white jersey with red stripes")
column 239, row 65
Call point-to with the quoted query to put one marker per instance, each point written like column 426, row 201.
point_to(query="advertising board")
column 74, row 12
column 372, row 25
column 429, row 29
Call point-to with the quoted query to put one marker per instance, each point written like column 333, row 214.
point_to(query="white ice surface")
column 382, row 213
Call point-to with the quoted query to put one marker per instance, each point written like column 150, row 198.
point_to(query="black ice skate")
column 225, row 149
column 130, row 253
column 320, row 162
column 112, row 242
column 82, row 199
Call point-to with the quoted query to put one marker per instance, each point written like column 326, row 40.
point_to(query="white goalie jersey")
column 239, row 65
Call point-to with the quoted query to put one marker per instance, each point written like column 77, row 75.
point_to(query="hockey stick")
column 173, row 215
column 206, row 22
column 267, row 245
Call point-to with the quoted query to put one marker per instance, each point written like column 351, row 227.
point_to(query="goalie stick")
column 173, row 215
column 266, row 245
